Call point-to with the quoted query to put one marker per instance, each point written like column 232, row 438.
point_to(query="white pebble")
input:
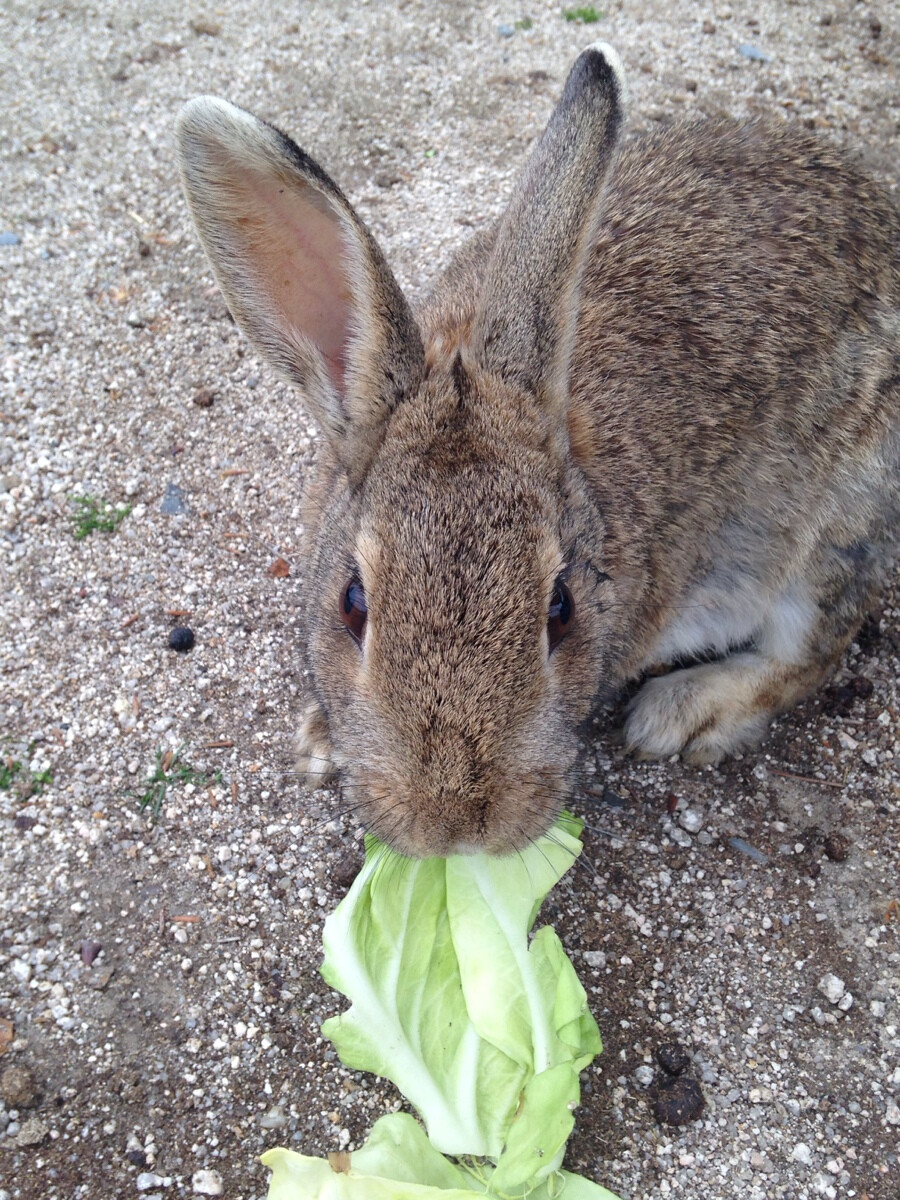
column 644, row 1075
column 892, row 1114
column 801, row 1153
column 21, row 969
column 594, row 958
column 207, row 1183
column 148, row 1179
column 691, row 820
column 846, row 1002
column 831, row 987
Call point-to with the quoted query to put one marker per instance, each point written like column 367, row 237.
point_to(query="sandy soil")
column 159, row 995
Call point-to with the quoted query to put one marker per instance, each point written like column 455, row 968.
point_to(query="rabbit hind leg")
column 709, row 711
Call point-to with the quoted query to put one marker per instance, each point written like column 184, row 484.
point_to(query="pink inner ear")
column 298, row 258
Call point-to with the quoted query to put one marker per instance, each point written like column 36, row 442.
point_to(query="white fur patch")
column 728, row 610
column 615, row 62
column 785, row 635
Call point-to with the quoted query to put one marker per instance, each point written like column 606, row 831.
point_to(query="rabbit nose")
column 451, row 788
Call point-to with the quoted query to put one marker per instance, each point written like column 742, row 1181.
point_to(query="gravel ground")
column 159, row 995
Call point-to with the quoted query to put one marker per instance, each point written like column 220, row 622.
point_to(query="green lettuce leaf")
column 484, row 1032
column 399, row 1163
column 482, row 1029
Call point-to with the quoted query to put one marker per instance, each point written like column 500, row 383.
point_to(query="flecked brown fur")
column 666, row 382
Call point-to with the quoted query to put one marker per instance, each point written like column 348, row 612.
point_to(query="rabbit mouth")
column 437, row 815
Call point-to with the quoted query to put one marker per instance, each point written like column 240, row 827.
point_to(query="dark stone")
column 89, row 951
column 838, row 701
column 345, row 872
column 608, row 796
column 181, row 639
column 204, row 397
column 673, row 1059
column 677, row 1100
column 837, row 847
column 174, row 501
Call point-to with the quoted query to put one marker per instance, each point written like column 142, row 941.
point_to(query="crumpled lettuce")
column 399, row 1163
column 484, row 1031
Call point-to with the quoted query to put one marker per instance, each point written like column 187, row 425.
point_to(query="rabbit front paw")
column 314, row 753
column 704, row 713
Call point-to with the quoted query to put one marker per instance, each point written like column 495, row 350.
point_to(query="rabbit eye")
column 560, row 614
column 354, row 609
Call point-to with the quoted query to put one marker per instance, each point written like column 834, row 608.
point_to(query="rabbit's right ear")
column 301, row 273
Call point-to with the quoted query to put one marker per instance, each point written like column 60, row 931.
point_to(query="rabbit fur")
column 651, row 416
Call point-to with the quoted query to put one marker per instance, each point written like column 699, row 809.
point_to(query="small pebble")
column 831, row 987
column 644, row 1075
column 32, row 1133
column 205, row 397
column 174, row 502
column 273, row 1119
column 691, row 820
column 744, row 847
column 801, row 1153
column 181, row 639
column 753, row 53
column 9, row 239
column 99, row 978
column 89, row 951
column 204, row 27
column 505, row 30
column 207, row 1183
column 837, row 847
column 19, row 1088
column 134, row 1151
column 149, row 1179
column 21, row 969
column 613, row 799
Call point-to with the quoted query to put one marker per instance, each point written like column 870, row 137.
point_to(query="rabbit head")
column 453, row 589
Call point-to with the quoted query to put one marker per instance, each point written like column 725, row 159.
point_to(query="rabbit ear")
column 301, row 273
column 525, row 322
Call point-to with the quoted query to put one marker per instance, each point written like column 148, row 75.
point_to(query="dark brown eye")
column 559, row 615
column 353, row 609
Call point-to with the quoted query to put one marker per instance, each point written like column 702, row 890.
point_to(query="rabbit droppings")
column 652, row 414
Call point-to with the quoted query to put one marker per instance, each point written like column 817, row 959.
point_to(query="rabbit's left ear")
column 301, row 273
column 526, row 317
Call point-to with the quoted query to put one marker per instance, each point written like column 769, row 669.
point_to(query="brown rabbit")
column 654, row 413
